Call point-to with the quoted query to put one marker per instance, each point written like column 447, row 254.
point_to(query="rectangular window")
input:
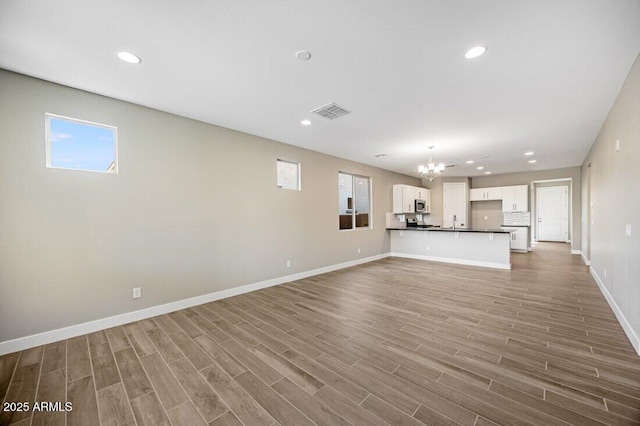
column 81, row 145
column 354, row 195
column 288, row 175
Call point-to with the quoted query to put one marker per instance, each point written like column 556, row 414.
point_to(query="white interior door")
column 454, row 203
column 553, row 213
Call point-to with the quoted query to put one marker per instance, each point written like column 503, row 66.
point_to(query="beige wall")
column 193, row 210
column 493, row 209
column 612, row 187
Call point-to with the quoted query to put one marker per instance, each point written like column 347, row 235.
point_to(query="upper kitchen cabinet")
column 426, row 194
column 485, row 194
column 515, row 198
column 421, row 193
column 404, row 199
column 405, row 196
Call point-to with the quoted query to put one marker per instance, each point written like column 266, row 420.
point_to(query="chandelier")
column 431, row 170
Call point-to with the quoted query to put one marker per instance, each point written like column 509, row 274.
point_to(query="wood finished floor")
column 396, row 341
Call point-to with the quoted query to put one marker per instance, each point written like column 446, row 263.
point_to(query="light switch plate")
column 627, row 230
column 617, row 145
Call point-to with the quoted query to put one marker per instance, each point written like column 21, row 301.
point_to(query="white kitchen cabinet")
column 409, row 198
column 485, row 194
column 476, row 194
column 494, row 193
column 515, row 198
column 427, row 199
column 405, row 196
column 519, row 238
column 425, row 195
column 404, row 199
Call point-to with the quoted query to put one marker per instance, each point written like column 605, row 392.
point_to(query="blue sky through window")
column 80, row 146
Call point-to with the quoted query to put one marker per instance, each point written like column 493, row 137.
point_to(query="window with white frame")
column 288, row 174
column 354, row 205
column 81, row 145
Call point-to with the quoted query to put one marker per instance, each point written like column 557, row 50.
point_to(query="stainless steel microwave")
column 421, row 206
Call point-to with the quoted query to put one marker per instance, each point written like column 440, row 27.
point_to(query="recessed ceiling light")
column 470, row 162
column 532, row 161
column 528, row 153
column 487, row 173
column 480, row 167
column 303, row 55
column 129, row 57
column 475, row 51
column 306, row 122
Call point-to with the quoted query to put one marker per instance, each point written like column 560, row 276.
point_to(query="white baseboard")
column 451, row 260
column 585, row 260
column 46, row 337
column 631, row 334
column 575, row 251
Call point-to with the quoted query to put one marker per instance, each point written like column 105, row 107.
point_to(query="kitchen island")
column 465, row 246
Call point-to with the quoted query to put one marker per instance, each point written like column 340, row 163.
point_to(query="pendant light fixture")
column 431, row 170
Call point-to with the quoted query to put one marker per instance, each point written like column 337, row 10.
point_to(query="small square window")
column 81, row 145
column 288, row 175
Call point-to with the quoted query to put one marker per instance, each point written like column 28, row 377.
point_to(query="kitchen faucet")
column 454, row 222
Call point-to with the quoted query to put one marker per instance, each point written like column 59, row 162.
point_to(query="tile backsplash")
column 517, row 218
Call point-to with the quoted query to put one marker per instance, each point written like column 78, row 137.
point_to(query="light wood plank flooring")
column 397, row 341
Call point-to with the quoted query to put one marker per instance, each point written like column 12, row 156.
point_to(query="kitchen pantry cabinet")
column 515, row 198
column 404, row 197
column 485, row 194
column 519, row 238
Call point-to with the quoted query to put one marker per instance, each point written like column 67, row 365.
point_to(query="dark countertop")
column 494, row 231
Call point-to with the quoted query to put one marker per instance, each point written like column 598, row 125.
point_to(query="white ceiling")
column 546, row 84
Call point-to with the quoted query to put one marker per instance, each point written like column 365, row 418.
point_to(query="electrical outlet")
column 358, row 250
column 627, row 230
column 617, row 145
column 288, row 264
column 137, row 293
column 605, row 272
column 428, row 248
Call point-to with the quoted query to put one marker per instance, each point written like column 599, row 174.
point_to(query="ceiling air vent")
column 331, row 111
